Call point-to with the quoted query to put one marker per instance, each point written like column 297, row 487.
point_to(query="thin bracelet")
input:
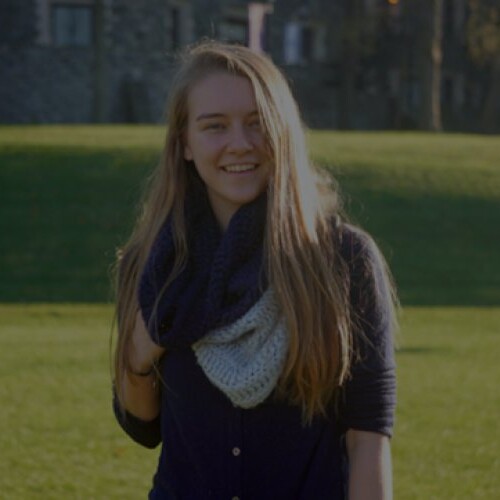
column 143, row 374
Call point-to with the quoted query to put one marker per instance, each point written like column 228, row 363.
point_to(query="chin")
column 245, row 198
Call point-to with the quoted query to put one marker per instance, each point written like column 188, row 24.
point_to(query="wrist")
column 145, row 372
column 141, row 366
column 149, row 377
column 141, row 369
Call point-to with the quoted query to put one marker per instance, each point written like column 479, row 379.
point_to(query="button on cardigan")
column 214, row 450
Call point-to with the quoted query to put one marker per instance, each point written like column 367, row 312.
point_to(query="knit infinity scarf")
column 220, row 282
column 244, row 359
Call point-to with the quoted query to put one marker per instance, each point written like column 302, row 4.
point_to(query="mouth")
column 239, row 168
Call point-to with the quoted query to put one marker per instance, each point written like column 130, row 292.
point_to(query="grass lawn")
column 68, row 195
column 60, row 439
column 67, row 199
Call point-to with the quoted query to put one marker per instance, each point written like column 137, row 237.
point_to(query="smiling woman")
column 226, row 142
column 254, row 324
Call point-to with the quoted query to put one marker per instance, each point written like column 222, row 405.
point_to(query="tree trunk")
column 100, row 65
column 430, row 64
column 347, row 93
column 349, row 64
column 490, row 120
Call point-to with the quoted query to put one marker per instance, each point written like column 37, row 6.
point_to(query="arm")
column 369, row 396
column 141, row 395
column 370, row 469
column 139, row 416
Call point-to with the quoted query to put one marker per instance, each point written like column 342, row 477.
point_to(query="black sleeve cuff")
column 146, row 433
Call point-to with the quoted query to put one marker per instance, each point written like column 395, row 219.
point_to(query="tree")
column 429, row 63
column 357, row 41
column 483, row 42
column 99, row 111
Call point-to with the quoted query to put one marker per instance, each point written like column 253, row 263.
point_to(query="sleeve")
column 146, row 433
column 368, row 398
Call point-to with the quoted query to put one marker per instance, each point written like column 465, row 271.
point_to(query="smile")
column 244, row 167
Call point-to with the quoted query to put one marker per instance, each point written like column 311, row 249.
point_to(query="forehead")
column 221, row 93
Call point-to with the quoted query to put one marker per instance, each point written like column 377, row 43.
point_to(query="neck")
column 223, row 212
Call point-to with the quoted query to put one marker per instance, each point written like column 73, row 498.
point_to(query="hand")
column 143, row 351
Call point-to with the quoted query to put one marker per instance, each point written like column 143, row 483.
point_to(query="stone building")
column 81, row 61
column 78, row 61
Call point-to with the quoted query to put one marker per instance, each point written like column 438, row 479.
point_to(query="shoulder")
column 360, row 253
column 372, row 296
column 369, row 395
column 356, row 245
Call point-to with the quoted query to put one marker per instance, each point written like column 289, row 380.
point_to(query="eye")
column 255, row 124
column 215, row 126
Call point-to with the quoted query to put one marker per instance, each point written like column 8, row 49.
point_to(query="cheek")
column 207, row 149
column 263, row 144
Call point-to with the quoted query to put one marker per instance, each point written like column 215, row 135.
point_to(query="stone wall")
column 48, row 84
column 124, row 76
column 137, row 64
column 41, row 86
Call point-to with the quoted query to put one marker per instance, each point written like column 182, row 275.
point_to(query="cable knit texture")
column 244, row 359
column 221, row 281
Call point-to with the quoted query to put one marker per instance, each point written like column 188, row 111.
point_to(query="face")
column 225, row 141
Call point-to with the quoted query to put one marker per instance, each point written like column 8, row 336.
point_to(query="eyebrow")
column 208, row 116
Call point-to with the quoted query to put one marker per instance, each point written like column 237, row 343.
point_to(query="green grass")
column 59, row 437
column 67, row 199
column 432, row 201
column 447, row 435
column 68, row 195
column 60, row 440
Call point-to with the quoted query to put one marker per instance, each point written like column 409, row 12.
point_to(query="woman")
column 254, row 324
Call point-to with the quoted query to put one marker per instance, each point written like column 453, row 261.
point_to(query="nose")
column 239, row 140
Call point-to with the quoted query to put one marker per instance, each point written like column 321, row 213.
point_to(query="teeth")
column 239, row 168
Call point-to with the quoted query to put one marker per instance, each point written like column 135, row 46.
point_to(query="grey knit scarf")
column 245, row 359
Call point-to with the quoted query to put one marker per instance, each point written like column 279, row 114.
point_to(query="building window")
column 303, row 43
column 233, row 31
column 233, row 26
column 72, row 25
column 65, row 23
column 293, row 43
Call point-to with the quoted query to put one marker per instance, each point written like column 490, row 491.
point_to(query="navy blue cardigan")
column 213, row 450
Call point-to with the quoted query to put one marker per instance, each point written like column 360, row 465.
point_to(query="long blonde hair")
column 303, row 259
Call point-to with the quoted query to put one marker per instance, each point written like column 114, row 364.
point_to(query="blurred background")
column 370, row 64
column 402, row 100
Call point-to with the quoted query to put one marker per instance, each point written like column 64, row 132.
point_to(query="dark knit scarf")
column 221, row 281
